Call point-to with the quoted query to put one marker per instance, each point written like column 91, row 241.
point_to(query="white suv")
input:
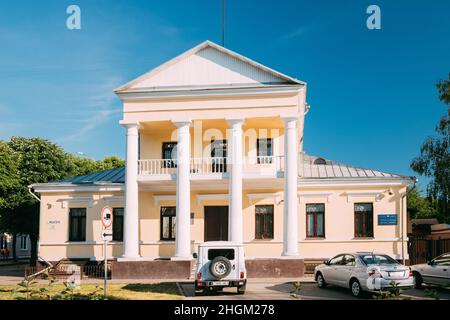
column 220, row 264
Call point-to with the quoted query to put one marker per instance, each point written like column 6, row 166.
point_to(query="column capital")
column 182, row 123
column 235, row 121
column 290, row 122
column 129, row 125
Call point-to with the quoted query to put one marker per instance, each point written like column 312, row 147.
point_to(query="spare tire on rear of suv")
column 220, row 267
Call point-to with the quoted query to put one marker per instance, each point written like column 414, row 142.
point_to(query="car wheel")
column 220, row 267
column 355, row 288
column 320, row 281
column 417, row 280
column 241, row 289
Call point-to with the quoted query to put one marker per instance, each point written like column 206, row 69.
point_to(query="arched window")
column 320, row 161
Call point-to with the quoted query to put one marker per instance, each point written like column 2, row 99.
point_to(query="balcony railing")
column 255, row 165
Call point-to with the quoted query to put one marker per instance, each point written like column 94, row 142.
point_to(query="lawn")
column 116, row 291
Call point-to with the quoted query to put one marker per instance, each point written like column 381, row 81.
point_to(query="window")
column 169, row 153
column 219, row 155
column 3, row 242
column 363, row 220
column 338, row 260
column 23, row 242
column 348, row 260
column 168, row 216
column 320, row 161
column 443, row 260
column 315, row 220
column 118, row 224
column 377, row 259
column 264, row 149
column 264, row 222
column 77, row 224
column 227, row 253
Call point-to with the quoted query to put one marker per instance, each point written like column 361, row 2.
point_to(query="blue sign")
column 387, row 219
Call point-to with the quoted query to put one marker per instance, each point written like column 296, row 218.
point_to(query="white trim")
column 273, row 90
column 164, row 197
column 65, row 201
column 109, row 199
column 76, row 243
column 357, row 182
column 277, row 196
column 156, row 242
column 303, row 195
column 74, row 188
column 211, row 197
column 376, row 193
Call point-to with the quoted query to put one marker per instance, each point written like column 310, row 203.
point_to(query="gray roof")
column 425, row 221
column 116, row 175
column 311, row 171
column 334, row 170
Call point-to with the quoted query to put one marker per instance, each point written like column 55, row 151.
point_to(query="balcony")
column 211, row 168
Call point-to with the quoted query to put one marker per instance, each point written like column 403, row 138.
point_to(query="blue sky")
column 372, row 92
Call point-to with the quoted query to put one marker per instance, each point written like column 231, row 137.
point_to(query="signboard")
column 107, row 217
column 387, row 219
column 107, row 235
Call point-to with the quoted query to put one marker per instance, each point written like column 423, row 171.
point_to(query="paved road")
column 11, row 274
column 258, row 289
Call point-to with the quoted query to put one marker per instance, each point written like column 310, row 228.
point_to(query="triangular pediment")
column 207, row 65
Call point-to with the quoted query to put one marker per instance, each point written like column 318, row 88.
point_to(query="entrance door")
column 216, row 223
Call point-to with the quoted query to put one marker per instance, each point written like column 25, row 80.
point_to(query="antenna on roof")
column 223, row 23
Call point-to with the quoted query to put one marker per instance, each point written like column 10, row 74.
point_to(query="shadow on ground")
column 167, row 287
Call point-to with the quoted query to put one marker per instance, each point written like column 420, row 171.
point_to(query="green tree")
column 9, row 174
column 40, row 161
column 9, row 181
column 419, row 206
column 24, row 161
column 434, row 159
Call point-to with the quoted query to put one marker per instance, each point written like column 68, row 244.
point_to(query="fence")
column 422, row 249
column 64, row 271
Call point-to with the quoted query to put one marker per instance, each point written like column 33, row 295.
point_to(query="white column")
column 131, row 223
column 183, row 226
column 290, row 231
column 235, row 232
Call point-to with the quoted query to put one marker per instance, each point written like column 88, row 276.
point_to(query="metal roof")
column 312, row 169
column 116, row 175
column 320, row 168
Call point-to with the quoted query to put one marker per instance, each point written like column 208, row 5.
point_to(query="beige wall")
column 339, row 226
column 202, row 132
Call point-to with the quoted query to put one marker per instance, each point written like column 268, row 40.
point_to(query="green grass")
column 116, row 291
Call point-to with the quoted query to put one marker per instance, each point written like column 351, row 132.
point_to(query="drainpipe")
column 402, row 221
column 30, row 190
column 33, row 194
column 300, row 146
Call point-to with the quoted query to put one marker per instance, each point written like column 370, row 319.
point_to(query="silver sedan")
column 363, row 271
column 436, row 271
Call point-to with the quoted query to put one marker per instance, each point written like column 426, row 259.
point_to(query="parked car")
column 363, row 271
column 436, row 271
column 220, row 264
